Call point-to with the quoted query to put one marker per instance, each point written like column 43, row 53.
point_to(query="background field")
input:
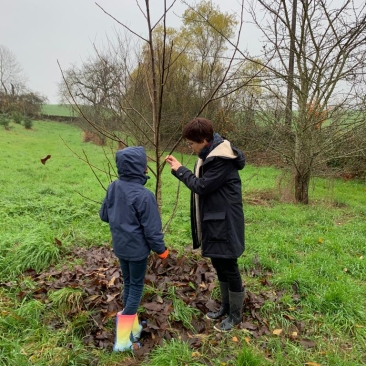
column 316, row 252
column 57, row 110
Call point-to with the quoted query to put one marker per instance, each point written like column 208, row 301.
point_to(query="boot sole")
column 223, row 330
column 234, row 325
column 219, row 317
column 207, row 317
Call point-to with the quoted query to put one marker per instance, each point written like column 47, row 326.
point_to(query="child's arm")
column 151, row 222
column 103, row 212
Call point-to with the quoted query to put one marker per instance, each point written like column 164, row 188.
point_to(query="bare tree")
column 328, row 46
column 149, row 88
column 15, row 97
column 92, row 86
column 12, row 80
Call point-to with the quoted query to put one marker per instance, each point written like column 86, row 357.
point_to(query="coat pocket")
column 214, row 226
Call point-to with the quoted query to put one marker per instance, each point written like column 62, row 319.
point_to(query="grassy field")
column 57, row 110
column 314, row 256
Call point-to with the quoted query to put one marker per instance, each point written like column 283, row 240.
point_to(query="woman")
column 217, row 218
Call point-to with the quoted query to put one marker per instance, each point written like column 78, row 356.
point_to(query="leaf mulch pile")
column 193, row 279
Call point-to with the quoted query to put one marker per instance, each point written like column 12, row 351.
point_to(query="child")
column 132, row 213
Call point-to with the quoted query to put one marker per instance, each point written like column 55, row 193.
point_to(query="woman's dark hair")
column 198, row 130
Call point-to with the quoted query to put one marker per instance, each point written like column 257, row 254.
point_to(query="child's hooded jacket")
column 131, row 209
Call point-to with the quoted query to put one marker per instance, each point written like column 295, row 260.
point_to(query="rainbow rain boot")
column 136, row 330
column 124, row 325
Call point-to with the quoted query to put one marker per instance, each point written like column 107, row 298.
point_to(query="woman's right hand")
column 173, row 162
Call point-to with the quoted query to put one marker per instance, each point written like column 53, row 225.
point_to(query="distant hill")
column 58, row 110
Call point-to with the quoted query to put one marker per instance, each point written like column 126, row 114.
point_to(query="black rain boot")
column 236, row 300
column 225, row 305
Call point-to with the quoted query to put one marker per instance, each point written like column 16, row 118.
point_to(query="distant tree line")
column 17, row 103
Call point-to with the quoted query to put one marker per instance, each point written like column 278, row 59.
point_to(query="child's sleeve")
column 151, row 222
column 103, row 212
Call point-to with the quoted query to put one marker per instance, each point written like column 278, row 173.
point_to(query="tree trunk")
column 158, row 185
column 291, row 68
column 302, row 181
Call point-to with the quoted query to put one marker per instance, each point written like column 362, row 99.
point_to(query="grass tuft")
column 67, row 300
column 182, row 312
column 173, row 353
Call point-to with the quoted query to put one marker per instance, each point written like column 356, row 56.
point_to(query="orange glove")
column 164, row 254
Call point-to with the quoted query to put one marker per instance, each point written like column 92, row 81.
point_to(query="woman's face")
column 197, row 146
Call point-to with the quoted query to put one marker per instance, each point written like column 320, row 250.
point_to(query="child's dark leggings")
column 133, row 273
column 227, row 271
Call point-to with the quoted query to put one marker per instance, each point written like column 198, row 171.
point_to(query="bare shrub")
column 95, row 138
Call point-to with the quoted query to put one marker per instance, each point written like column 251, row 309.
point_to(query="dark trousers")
column 227, row 271
column 133, row 273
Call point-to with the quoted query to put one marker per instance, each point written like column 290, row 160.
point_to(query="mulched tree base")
column 192, row 276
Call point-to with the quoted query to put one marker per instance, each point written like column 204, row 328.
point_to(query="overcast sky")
column 40, row 32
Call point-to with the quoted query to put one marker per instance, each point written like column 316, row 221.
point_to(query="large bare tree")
column 15, row 97
column 12, row 79
column 144, row 87
column 314, row 99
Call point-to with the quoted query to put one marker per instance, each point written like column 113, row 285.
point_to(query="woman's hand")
column 173, row 162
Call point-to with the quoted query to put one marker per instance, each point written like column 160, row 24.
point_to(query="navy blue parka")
column 131, row 209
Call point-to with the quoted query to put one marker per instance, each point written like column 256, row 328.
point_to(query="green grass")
column 181, row 312
column 316, row 252
column 57, row 110
column 175, row 353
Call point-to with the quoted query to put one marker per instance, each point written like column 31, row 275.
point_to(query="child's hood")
column 132, row 164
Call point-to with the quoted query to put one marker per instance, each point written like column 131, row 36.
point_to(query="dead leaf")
column 159, row 299
column 277, row 331
column 307, row 343
column 58, row 242
column 111, row 297
column 249, row 326
column 91, row 298
column 111, row 282
column 44, row 160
